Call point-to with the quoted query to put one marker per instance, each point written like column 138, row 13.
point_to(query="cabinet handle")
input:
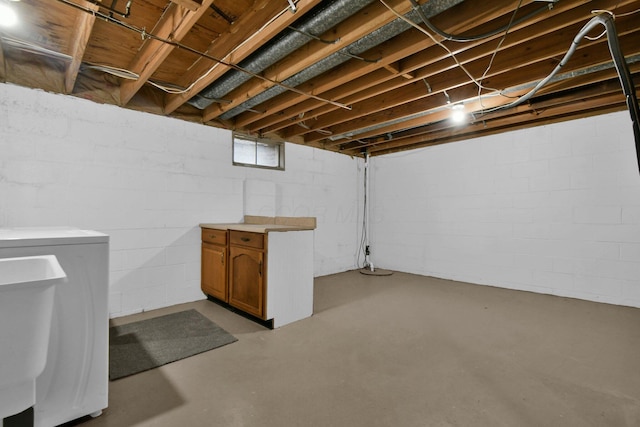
column 222, row 257
column 212, row 236
column 245, row 239
column 261, row 268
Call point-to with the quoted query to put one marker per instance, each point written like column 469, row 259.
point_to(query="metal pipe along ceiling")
column 318, row 21
column 382, row 34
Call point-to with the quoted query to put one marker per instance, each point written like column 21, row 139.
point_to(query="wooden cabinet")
column 214, row 264
column 247, row 239
column 246, row 280
column 240, row 280
column 266, row 274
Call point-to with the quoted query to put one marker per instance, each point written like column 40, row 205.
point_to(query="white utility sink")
column 27, row 286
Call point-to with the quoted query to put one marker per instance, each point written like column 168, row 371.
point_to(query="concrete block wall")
column 553, row 209
column 148, row 181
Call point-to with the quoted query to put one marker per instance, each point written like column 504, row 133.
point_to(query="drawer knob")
column 212, row 236
column 245, row 239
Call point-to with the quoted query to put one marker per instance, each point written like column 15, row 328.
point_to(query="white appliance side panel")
column 48, row 236
column 289, row 276
column 74, row 382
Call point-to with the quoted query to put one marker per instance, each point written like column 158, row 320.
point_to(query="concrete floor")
column 402, row 350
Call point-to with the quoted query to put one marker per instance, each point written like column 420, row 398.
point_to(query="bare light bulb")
column 8, row 16
column 457, row 113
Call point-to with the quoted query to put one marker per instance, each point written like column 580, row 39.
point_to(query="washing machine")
column 74, row 382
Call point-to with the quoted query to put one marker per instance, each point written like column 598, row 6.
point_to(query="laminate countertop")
column 255, row 228
column 257, row 224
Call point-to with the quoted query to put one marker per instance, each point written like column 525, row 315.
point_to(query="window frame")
column 256, row 140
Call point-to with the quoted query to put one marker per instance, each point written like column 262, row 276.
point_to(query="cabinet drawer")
column 217, row 237
column 245, row 238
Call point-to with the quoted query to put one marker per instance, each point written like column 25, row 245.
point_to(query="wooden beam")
column 84, row 25
column 3, row 65
column 175, row 23
column 395, row 69
column 244, row 37
column 192, row 5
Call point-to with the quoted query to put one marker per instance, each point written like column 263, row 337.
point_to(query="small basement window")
column 257, row 152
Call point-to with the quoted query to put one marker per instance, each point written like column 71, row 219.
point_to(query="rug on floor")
column 147, row 344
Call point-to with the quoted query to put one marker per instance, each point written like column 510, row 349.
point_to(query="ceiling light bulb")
column 8, row 17
column 457, row 113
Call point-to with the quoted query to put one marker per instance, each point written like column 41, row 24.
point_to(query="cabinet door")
column 246, row 280
column 214, row 271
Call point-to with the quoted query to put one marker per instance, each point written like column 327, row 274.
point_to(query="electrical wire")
column 363, row 241
column 464, row 39
column 628, row 13
column 598, row 11
column 145, row 35
column 451, row 54
column 495, row 52
column 118, row 72
column 599, row 36
column 130, row 75
column 451, row 37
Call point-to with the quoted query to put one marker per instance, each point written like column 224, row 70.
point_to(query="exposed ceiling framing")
column 343, row 75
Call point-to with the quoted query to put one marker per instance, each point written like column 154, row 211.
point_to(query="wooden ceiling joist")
column 84, row 25
column 192, row 5
column 3, row 65
column 176, row 22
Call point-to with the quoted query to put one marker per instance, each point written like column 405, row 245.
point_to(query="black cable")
column 465, row 39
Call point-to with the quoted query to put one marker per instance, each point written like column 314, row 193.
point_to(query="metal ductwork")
column 382, row 34
column 322, row 18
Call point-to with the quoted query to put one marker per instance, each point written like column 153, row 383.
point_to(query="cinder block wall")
column 148, row 181
column 553, row 209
